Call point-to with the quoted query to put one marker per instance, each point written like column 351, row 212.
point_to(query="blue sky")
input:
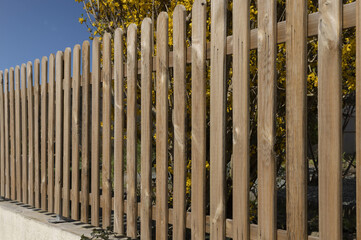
column 31, row 29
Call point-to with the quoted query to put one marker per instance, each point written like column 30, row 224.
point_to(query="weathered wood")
column 44, row 131
column 241, row 119
column 66, row 132
column 59, row 75
column 179, row 120
column 146, row 129
column 266, row 119
column 51, row 129
column 118, row 132
column 85, row 151
column 296, row 115
column 199, row 18
column 162, row 78
column 24, row 131
column 106, row 153
column 17, row 134
column 36, row 133
column 132, row 131
column 2, row 136
column 75, row 134
column 358, row 120
column 31, row 132
column 330, row 119
column 95, row 151
column 12, row 134
column 218, row 118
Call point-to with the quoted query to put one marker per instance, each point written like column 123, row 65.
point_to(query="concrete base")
column 21, row 222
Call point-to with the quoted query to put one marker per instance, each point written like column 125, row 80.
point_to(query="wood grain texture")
column 179, row 121
column 95, row 151
column 31, row 132
column 12, row 133
column 118, row 132
column 66, row 133
column 36, row 133
column 85, row 134
column 44, row 132
column 132, row 131
column 2, row 137
column 266, row 119
column 24, row 133
column 358, row 120
column 106, row 148
column 17, row 135
column 199, row 137
column 162, row 78
column 51, row 131
column 146, row 129
column 218, row 119
column 296, row 115
column 75, row 137
column 241, row 119
column 330, row 119
column 59, row 76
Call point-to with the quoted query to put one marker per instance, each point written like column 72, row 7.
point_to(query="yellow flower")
column 82, row 20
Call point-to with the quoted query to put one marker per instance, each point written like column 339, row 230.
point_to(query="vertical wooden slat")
column 95, row 132
column 162, row 78
column 12, row 134
column 358, row 120
column 85, row 151
column 7, row 154
column 44, row 131
column 240, row 82
column 66, row 129
column 179, row 43
column 59, row 75
column 36, row 133
column 51, row 129
column 266, row 119
column 75, row 134
column 330, row 119
column 2, row 136
column 17, row 134
column 296, row 124
column 106, row 177
column 131, row 131
column 118, row 132
column 24, row 130
column 199, row 18
column 146, row 128
column 218, row 124
column 31, row 132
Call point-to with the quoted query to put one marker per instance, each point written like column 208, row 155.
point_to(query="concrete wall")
column 18, row 222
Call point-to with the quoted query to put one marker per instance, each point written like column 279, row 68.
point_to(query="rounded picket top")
column 180, row 9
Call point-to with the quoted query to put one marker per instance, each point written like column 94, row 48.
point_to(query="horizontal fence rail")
column 93, row 144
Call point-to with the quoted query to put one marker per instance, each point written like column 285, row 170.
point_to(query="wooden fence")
column 55, row 133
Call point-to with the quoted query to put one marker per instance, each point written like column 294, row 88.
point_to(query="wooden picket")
column 329, row 119
column 162, row 79
column 296, row 148
column 131, row 131
column 36, row 133
column 17, row 134
column 198, row 119
column 68, row 135
column 106, row 162
column 12, row 133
